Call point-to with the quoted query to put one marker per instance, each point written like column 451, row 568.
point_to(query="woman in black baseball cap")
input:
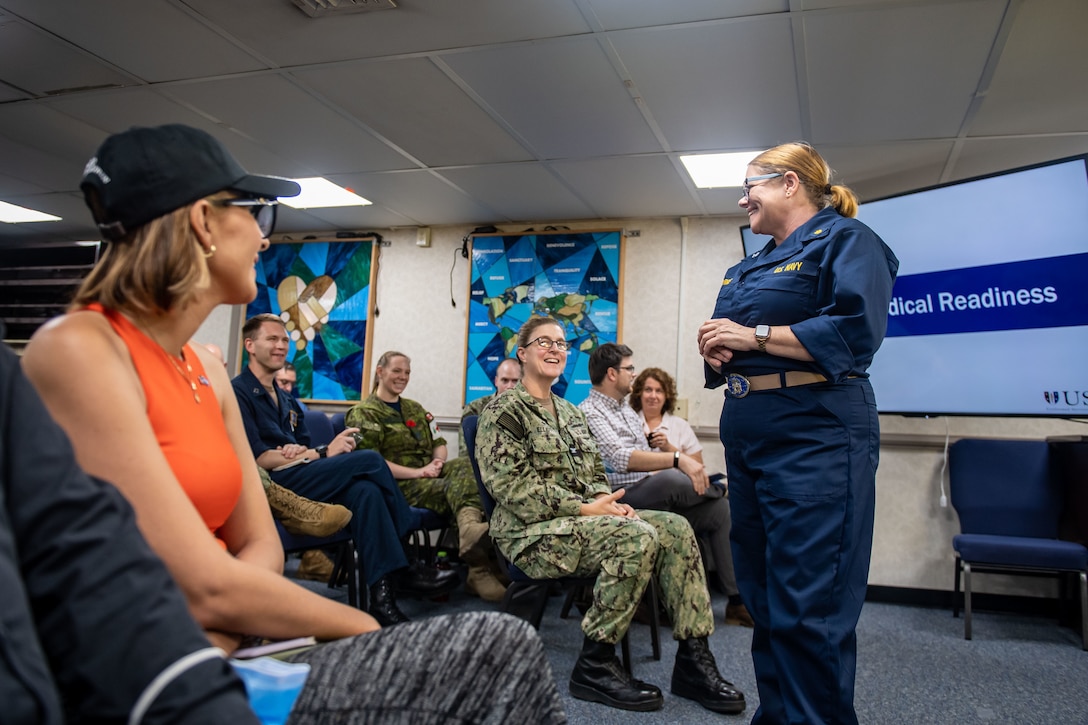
column 157, row 417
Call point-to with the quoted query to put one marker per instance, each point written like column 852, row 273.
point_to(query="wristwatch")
column 322, row 451
column 676, row 459
column 763, row 333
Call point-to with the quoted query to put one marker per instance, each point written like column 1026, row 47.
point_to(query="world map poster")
column 321, row 291
column 573, row 277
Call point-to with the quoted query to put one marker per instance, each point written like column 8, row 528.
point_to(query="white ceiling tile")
column 355, row 218
column 520, row 192
column 614, row 188
column 1044, row 64
column 420, row 196
column 563, row 97
column 697, row 84
column 988, row 156
column 282, row 32
column 279, row 115
column 419, row 109
column 903, row 72
column 154, row 40
column 41, row 64
column 617, row 14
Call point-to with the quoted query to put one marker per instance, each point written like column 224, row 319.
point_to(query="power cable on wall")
column 463, row 251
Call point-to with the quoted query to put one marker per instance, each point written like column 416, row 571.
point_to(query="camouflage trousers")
column 623, row 554
column 447, row 495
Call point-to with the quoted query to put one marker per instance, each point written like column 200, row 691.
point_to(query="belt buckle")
column 737, row 385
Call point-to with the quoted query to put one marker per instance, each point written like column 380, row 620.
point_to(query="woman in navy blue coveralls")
column 794, row 330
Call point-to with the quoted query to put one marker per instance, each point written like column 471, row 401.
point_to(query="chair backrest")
column 1004, row 487
column 320, row 427
column 337, row 420
column 468, row 427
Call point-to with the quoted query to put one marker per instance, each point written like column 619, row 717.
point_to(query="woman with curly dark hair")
column 653, row 396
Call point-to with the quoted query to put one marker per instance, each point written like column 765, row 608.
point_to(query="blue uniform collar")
column 257, row 391
column 818, row 227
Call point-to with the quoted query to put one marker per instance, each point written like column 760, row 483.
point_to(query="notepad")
column 280, row 647
column 292, row 464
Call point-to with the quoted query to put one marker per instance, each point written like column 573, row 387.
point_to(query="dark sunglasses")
column 263, row 210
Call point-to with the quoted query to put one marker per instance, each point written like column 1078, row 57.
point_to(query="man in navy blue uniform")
column 276, row 429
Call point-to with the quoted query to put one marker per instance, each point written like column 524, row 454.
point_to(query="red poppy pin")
column 410, row 423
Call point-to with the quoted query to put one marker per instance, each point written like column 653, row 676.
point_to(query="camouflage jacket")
column 477, row 406
column 474, row 408
column 405, row 438
column 538, row 472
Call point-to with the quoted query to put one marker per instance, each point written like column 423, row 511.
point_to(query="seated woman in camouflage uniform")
column 557, row 516
column 404, row 433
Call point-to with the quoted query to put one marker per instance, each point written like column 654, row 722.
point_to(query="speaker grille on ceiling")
column 320, row 8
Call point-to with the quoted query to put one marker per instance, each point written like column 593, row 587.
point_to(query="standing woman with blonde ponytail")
column 794, row 329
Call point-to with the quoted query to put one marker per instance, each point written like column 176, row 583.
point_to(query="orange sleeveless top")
column 192, row 435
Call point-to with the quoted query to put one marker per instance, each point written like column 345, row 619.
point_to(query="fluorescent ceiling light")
column 18, row 214
column 710, row 171
column 319, row 193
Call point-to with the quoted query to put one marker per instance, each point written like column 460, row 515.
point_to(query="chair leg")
column 1084, row 610
column 572, row 592
column 625, row 650
column 655, row 635
column 966, row 600
column 956, row 587
column 345, row 569
column 536, row 591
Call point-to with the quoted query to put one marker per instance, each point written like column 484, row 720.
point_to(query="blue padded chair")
column 523, row 586
column 346, row 568
column 337, row 420
column 320, row 427
column 1009, row 505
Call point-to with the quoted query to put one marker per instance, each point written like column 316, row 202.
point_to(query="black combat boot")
column 695, row 676
column 383, row 604
column 599, row 677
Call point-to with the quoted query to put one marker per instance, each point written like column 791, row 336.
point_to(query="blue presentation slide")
column 990, row 310
column 989, row 314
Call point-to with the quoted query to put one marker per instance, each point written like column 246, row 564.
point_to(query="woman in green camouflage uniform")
column 405, row 434
column 556, row 515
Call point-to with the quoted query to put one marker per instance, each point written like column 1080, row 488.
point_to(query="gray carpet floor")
column 914, row 666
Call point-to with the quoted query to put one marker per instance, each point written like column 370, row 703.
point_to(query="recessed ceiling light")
column 710, row 171
column 13, row 214
column 320, row 193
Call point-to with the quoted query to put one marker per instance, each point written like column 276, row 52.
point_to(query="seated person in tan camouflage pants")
column 556, row 515
column 405, row 435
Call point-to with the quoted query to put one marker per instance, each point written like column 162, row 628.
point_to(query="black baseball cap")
column 143, row 173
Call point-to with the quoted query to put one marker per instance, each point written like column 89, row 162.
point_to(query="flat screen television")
column 989, row 314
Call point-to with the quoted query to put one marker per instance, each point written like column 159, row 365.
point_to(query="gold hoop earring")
column 210, row 253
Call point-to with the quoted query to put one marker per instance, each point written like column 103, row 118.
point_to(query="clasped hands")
column 720, row 338
column 432, row 469
column 608, row 505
